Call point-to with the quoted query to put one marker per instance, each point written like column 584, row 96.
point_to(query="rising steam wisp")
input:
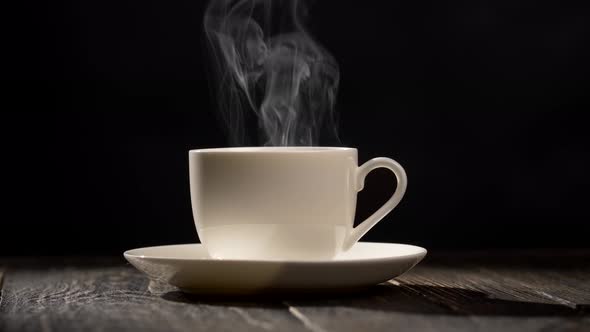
column 268, row 64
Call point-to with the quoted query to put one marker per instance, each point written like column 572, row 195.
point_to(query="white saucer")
column 189, row 267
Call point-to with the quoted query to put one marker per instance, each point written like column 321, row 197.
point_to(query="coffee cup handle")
column 402, row 182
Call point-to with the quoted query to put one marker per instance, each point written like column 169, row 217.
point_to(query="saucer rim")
column 420, row 254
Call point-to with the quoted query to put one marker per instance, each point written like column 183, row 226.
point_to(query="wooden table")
column 477, row 291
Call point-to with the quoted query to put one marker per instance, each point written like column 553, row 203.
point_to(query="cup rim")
column 270, row 149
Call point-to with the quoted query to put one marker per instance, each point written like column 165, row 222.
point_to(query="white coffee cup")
column 295, row 203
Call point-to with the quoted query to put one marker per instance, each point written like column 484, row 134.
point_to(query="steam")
column 267, row 63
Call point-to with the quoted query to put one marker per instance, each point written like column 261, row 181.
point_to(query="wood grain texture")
column 119, row 299
column 1, row 283
column 454, row 292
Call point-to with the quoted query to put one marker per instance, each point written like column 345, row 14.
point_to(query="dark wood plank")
column 538, row 276
column 456, row 283
column 1, row 283
column 384, row 308
column 562, row 287
column 449, row 293
column 407, row 306
column 469, row 297
column 120, row 298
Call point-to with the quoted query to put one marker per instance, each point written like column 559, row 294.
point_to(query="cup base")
column 273, row 241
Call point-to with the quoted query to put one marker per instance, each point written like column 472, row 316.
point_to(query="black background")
column 483, row 102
